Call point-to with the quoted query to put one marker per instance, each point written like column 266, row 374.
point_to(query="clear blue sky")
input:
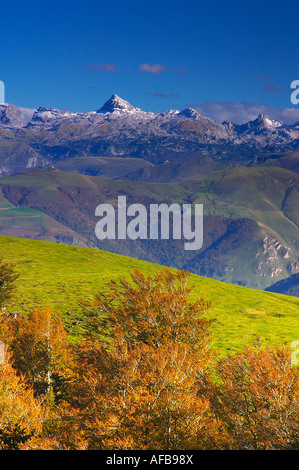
column 157, row 54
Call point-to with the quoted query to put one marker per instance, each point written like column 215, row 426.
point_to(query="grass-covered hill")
column 251, row 234
column 184, row 169
column 59, row 276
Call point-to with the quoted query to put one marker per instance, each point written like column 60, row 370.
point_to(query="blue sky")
column 227, row 59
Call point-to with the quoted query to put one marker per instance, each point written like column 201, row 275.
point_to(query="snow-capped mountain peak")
column 266, row 122
column 190, row 113
column 42, row 115
column 117, row 117
column 115, row 103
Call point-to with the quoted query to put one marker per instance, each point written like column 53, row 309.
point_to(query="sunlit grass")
column 59, row 276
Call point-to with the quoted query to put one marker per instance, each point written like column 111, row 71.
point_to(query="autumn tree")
column 39, row 348
column 137, row 371
column 151, row 310
column 141, row 398
column 8, row 277
column 143, row 377
column 256, row 398
column 21, row 414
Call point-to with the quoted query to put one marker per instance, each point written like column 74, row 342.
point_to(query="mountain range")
column 159, row 143
column 57, row 166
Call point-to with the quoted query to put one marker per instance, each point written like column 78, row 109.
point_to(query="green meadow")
column 60, row 276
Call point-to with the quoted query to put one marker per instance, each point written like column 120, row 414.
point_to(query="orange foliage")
column 257, row 399
column 39, row 348
column 21, row 415
column 144, row 377
column 141, row 397
column 136, row 378
column 151, row 310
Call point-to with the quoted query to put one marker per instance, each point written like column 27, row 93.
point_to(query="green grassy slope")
column 59, row 276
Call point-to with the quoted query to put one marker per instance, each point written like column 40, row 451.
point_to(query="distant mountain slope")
column 59, row 276
column 251, row 218
column 119, row 129
column 30, row 223
column 138, row 169
column 193, row 166
column 288, row 286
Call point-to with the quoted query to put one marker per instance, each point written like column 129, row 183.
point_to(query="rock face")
column 275, row 258
column 11, row 117
column 46, row 115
